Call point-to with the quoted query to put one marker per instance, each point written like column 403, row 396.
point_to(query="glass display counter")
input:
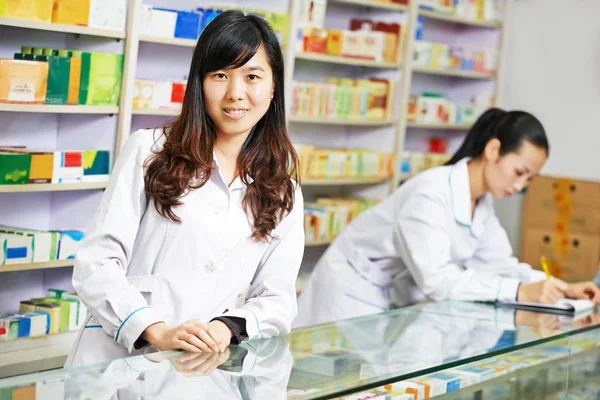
column 457, row 350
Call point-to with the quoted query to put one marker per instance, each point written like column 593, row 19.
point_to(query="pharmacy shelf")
column 344, row 181
column 421, row 125
column 28, row 355
column 317, row 243
column 65, row 109
column 465, row 21
column 38, row 265
column 338, row 121
column 345, row 61
column 373, row 3
column 156, row 111
column 169, row 41
column 52, row 187
column 74, row 29
column 455, row 73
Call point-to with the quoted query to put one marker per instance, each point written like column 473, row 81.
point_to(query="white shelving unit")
column 73, row 29
column 335, row 121
column 344, row 181
column 318, row 243
column 463, row 21
column 38, row 265
column 52, row 187
column 61, row 109
column 373, row 3
column 455, row 73
column 156, row 111
column 168, row 41
column 438, row 126
column 324, row 58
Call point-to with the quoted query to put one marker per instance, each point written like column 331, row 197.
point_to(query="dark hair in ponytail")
column 511, row 128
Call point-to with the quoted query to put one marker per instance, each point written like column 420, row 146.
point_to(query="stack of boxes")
column 58, row 312
column 344, row 98
column 341, row 163
column 170, row 23
column 18, row 245
column 326, row 218
column 365, row 40
column 158, row 94
column 100, row 14
column 59, row 77
column 435, row 108
column 561, row 221
column 478, row 10
column 443, row 56
column 20, row 165
column 413, row 162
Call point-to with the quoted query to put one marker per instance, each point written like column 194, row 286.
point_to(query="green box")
column 14, row 168
column 59, row 71
column 101, row 75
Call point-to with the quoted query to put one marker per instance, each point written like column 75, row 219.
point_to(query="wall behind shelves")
column 553, row 73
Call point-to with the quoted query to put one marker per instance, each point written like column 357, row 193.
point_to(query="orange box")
column 37, row 10
column 71, row 12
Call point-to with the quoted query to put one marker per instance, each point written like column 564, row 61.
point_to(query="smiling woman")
column 197, row 211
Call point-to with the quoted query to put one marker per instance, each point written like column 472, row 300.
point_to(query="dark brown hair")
column 267, row 155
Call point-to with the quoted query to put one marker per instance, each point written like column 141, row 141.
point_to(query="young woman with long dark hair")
column 199, row 210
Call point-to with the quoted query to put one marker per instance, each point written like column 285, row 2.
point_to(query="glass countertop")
column 318, row 362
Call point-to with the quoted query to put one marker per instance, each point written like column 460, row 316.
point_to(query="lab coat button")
column 210, row 268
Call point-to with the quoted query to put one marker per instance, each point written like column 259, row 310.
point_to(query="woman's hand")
column 548, row 291
column 193, row 336
column 221, row 334
column 584, row 290
column 194, row 364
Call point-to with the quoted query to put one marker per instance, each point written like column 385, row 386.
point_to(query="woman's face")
column 236, row 99
column 511, row 173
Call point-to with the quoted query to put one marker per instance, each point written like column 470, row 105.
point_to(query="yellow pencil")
column 545, row 267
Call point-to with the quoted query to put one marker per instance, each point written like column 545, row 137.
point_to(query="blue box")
column 188, row 25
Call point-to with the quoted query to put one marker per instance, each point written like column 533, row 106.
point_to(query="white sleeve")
column 271, row 305
column 99, row 275
column 494, row 255
column 423, row 241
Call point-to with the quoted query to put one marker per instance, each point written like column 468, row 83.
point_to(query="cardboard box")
column 23, row 81
column 108, row 14
column 14, row 168
column 71, row 12
column 560, row 190
column 96, row 165
column 16, row 249
column 68, row 167
column 572, row 257
column 38, row 10
column 101, row 75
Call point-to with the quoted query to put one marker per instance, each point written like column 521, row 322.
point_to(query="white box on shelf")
column 423, row 53
column 68, row 166
column 45, row 244
column 158, row 22
column 108, row 14
column 312, row 13
column 69, row 242
column 16, row 249
column 161, row 97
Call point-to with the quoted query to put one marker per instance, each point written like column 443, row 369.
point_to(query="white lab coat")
column 136, row 268
column 420, row 242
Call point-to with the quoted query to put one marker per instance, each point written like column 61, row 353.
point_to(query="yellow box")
column 23, row 81
column 334, row 42
column 33, row 10
column 74, row 81
column 71, row 12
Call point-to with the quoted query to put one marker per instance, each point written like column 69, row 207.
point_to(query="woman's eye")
column 253, row 77
column 519, row 173
column 220, row 76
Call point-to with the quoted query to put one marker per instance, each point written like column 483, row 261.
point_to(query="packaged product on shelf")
column 96, row 165
column 430, row 108
column 68, row 167
column 393, row 36
column 188, row 25
column 315, row 40
column 315, row 223
column 59, row 71
column 10, row 327
column 438, row 145
column 71, row 12
column 38, row 10
column 312, row 13
column 3, row 332
column 372, row 45
column 178, row 93
column 69, row 242
column 161, row 96
column 39, row 323
column 23, row 81
column 64, row 310
column 44, row 245
column 142, row 93
column 334, row 42
column 82, row 310
column 53, row 310
column 74, row 78
column 27, row 306
column 423, row 53
column 40, row 166
column 14, row 168
column 159, row 22
column 208, row 16
column 108, row 14
column 440, row 56
column 351, row 44
column 101, row 75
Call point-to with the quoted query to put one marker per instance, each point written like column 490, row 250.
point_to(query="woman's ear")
column 491, row 152
column 273, row 91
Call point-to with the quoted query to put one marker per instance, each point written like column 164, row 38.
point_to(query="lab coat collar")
column 237, row 182
column 460, row 188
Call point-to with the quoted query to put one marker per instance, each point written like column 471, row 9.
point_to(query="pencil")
column 545, row 267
